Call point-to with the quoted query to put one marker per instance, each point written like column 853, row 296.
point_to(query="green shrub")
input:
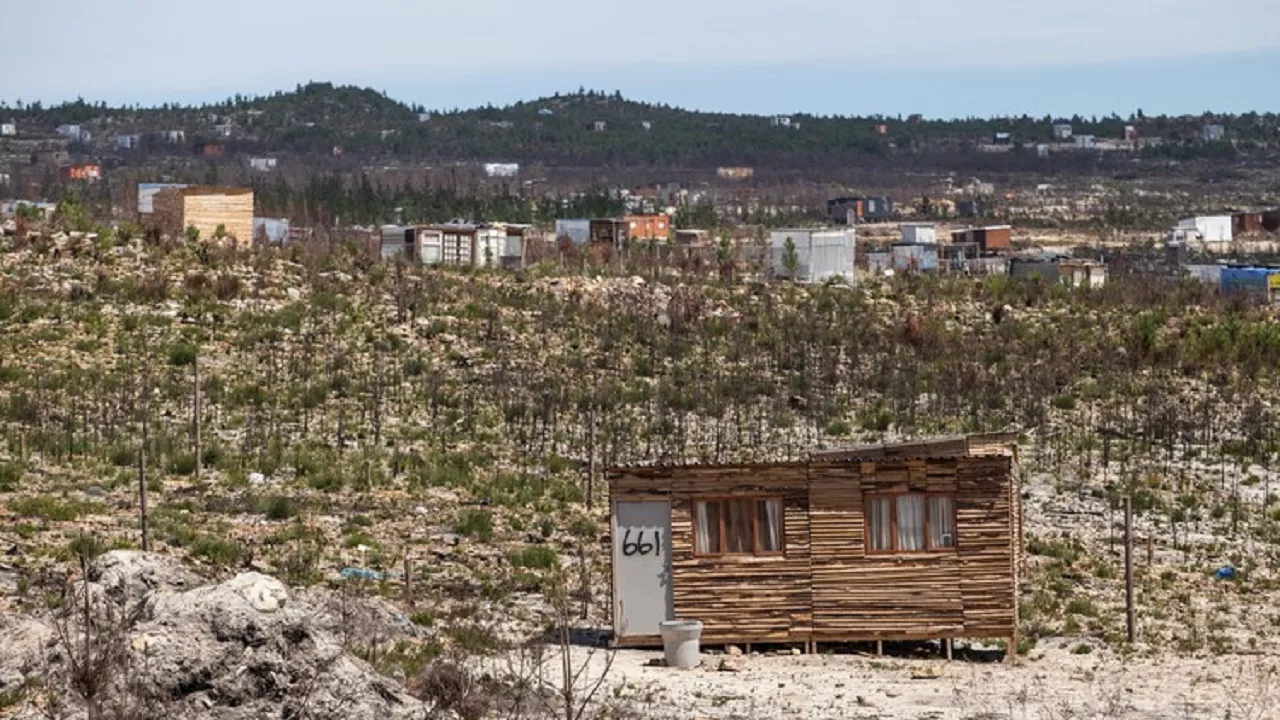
column 584, row 528
column 182, row 354
column 425, row 618
column 839, row 427
column 474, row 639
column 219, row 551
column 1063, row 402
column 536, row 557
column 183, row 464
column 10, row 473
column 1082, row 649
column 280, row 507
column 546, row 528
column 357, row 539
column 1081, row 606
column 475, row 523
column 124, row 457
column 51, row 508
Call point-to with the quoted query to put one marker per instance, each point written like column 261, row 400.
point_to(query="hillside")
column 562, row 130
column 355, row 414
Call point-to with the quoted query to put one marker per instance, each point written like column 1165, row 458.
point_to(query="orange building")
column 648, row 227
column 84, row 171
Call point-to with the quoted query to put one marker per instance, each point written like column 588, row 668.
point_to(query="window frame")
column 756, row 500
column 929, row 548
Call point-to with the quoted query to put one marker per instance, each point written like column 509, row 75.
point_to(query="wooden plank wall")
column 826, row 587
column 233, row 210
column 763, row 599
column 859, row 596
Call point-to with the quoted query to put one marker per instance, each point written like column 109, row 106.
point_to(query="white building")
column 74, row 133
column 147, row 195
column 820, row 254
column 1084, row 142
column 780, row 121
column 1206, row 228
column 501, row 169
column 8, row 129
column 1062, row 131
column 919, row 233
column 128, row 142
column 262, row 164
column 1212, row 133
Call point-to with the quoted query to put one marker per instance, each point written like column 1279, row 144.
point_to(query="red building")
column 648, row 227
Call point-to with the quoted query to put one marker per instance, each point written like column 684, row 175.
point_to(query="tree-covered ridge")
column 562, row 129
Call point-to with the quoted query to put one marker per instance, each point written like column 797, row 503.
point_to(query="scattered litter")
column 1226, row 572
column 359, row 573
column 931, row 672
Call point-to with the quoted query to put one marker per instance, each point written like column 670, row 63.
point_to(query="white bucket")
column 680, row 642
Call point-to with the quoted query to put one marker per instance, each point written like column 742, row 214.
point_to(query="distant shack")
column 206, row 209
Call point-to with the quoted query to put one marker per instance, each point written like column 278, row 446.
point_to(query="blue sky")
column 939, row 57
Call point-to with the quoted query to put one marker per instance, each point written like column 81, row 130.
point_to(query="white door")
column 641, row 567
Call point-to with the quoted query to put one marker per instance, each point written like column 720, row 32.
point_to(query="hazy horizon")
column 983, row 59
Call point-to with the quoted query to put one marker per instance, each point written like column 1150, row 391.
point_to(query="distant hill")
column 600, row 129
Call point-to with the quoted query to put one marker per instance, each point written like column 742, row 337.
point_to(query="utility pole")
column 142, row 459
column 195, row 366
column 1128, row 568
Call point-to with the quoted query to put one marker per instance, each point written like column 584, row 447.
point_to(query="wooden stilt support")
column 879, row 647
column 948, row 642
column 1012, row 655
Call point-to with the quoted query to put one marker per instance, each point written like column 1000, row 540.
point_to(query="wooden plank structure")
column 827, row 585
column 205, row 208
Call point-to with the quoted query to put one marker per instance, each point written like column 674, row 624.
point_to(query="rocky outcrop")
column 244, row 648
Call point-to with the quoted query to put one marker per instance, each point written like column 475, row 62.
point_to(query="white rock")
column 262, row 592
column 293, row 293
column 257, row 478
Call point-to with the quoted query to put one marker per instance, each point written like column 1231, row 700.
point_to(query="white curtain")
column 769, row 521
column 880, row 518
column 942, row 521
column 911, row 522
column 706, row 527
column 737, row 526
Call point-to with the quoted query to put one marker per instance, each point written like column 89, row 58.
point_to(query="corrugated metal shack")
column 910, row 541
column 457, row 243
column 850, row 210
column 915, row 257
column 1257, row 284
column 990, row 238
column 820, row 255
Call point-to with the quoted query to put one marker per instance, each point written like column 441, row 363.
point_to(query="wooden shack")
column 909, row 541
column 206, row 208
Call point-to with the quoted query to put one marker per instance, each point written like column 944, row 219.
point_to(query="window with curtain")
column 738, row 526
column 910, row 522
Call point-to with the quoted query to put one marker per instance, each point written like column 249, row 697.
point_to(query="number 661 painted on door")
column 639, row 546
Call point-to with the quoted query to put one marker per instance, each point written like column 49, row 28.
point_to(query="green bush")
column 124, row 457
column 280, row 507
column 50, row 508
column 475, row 523
column 535, row 557
column 839, row 428
column 219, row 551
column 1082, row 649
column 584, row 528
column 10, row 473
column 183, row 464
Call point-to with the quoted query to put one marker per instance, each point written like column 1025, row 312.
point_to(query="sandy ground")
column 1055, row 683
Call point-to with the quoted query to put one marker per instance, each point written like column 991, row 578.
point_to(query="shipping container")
column 919, row 232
